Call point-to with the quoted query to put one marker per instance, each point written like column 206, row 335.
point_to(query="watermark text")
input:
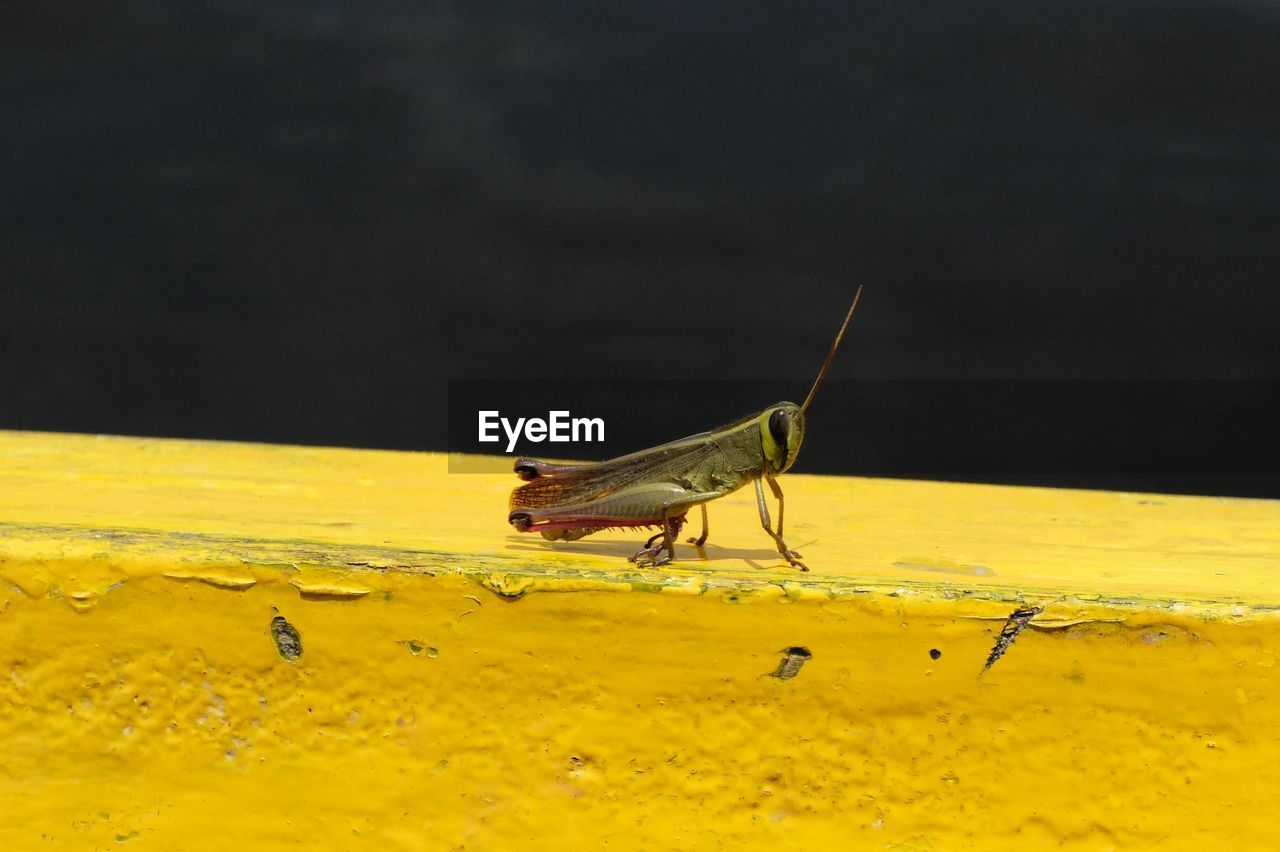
column 559, row 427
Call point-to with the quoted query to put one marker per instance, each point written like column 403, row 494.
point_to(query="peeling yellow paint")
column 460, row 685
column 327, row 582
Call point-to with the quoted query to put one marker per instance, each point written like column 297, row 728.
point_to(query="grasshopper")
column 657, row 487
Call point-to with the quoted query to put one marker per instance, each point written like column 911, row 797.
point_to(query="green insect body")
column 657, row 487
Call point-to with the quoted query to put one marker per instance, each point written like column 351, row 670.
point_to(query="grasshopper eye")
column 781, row 432
column 779, row 426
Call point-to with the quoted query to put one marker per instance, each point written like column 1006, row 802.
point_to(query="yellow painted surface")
column 462, row 686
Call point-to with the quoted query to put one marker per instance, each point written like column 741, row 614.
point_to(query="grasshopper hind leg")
column 653, row 555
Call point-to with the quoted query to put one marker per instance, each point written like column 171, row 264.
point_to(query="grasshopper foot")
column 651, row 557
column 659, row 549
column 793, row 559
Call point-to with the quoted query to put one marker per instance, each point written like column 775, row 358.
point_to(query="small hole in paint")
column 934, row 653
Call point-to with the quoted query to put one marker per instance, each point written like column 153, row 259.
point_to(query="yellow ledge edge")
column 441, row 700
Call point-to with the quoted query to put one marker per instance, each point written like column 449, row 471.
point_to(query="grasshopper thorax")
column 781, row 433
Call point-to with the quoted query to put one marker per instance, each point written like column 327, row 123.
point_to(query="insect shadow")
column 707, row 552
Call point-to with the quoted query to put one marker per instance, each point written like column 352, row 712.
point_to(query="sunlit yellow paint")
column 464, row 686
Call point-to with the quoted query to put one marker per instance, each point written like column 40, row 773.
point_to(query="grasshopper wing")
column 575, row 485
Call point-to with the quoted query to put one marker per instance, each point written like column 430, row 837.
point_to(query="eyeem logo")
column 558, row 428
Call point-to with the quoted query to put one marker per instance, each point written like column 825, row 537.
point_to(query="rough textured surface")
column 443, row 695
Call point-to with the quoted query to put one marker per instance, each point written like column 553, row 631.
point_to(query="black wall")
column 295, row 221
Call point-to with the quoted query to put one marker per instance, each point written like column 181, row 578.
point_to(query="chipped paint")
column 287, row 640
column 793, row 659
column 327, row 582
column 1013, row 626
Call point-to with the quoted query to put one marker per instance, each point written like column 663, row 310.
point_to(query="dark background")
column 295, row 221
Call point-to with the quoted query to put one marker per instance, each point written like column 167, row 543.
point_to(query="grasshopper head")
column 781, row 433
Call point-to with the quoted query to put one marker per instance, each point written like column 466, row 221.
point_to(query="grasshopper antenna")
column 835, row 344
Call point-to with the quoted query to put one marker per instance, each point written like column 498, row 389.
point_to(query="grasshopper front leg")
column 793, row 558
